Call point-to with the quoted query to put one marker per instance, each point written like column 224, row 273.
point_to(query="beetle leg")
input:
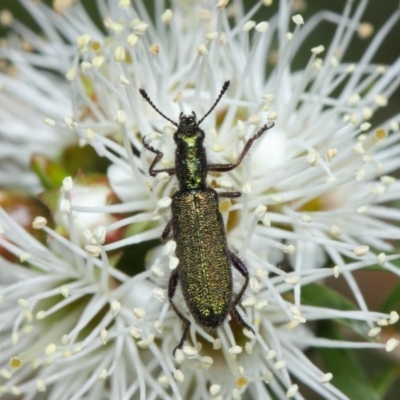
column 159, row 155
column 229, row 195
column 229, row 167
column 173, row 283
column 167, row 231
column 239, row 265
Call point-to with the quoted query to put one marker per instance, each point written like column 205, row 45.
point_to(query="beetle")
column 204, row 268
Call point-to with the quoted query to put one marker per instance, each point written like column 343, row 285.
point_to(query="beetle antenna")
column 147, row 98
column 221, row 93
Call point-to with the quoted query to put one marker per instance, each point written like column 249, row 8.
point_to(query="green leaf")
column 83, row 159
column 319, row 295
column 384, row 381
column 50, row 198
column 392, row 301
column 348, row 375
column 50, row 173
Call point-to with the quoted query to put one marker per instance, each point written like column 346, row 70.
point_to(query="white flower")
column 28, row 94
column 314, row 194
column 67, row 314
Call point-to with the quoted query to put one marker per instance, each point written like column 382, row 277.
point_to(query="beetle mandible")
column 198, row 229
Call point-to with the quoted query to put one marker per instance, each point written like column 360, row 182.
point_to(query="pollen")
column 241, row 382
column 15, row 363
column 224, row 206
column 166, row 16
column 380, row 134
column 154, row 49
column 365, row 30
column 222, row 4
column 60, row 5
column 95, row 46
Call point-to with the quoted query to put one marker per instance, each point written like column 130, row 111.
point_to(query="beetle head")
column 188, row 123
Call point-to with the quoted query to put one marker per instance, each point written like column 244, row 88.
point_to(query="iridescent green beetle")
column 204, row 268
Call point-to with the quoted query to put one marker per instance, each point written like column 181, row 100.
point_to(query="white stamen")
column 139, row 313
column 292, row 391
column 262, row 27
column 190, row 352
column 254, row 120
column 391, row 344
column 325, row 378
column 261, row 304
column 271, row 354
column 394, row 317
column 248, row 26
column 121, row 117
column 318, row 50
column 67, row 184
column 313, row 158
column 166, row 16
column 119, row 54
column 292, row 280
column 361, row 250
column 102, row 375
column 280, row 364
column 104, row 336
column 132, row 39
column 214, row 389
column 202, row 50
column 272, row 116
column 249, row 302
column 374, row 331
column 298, row 19
column 178, row 375
column 212, row 35
column 158, row 326
column 159, row 294
column 306, row 218
column 381, row 258
column 235, row 350
column 115, row 307
column 140, row 28
column 145, row 343
column 49, row 121
column 290, row 249
column 336, row 271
